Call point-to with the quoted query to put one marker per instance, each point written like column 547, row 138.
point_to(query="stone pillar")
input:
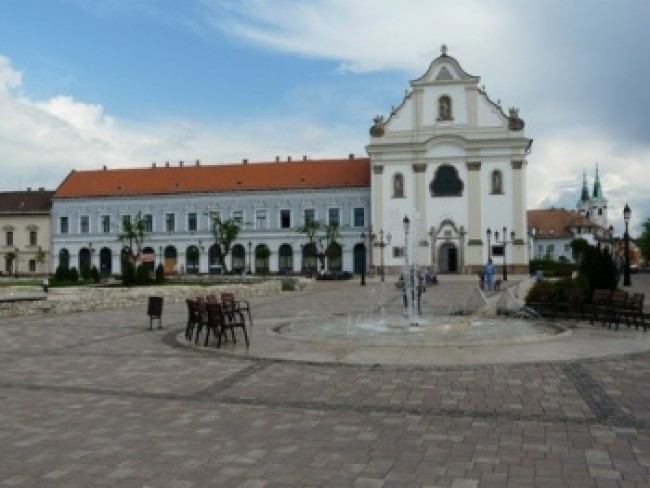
column 377, row 202
column 474, row 256
column 519, row 247
column 419, row 169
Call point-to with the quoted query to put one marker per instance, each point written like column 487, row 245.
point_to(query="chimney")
column 198, row 162
column 41, row 188
column 180, row 163
column 166, row 164
column 277, row 159
column 153, row 165
column 244, row 161
column 351, row 155
column 29, row 188
column 104, row 167
column 304, row 157
column 289, row 158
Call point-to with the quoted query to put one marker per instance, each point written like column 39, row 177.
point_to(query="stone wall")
column 25, row 300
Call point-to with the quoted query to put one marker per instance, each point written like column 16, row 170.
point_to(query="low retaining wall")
column 80, row 299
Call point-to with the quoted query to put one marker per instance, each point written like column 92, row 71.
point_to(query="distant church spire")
column 584, row 197
column 598, row 190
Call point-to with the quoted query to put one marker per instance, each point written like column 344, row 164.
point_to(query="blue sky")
column 86, row 83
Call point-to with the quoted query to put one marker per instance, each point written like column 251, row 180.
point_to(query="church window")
column 600, row 211
column 497, row 182
column 444, row 108
column 446, row 182
column 398, row 185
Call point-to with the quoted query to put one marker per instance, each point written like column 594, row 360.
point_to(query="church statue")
column 377, row 129
column 514, row 122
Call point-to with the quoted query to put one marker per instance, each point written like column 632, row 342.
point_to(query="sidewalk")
column 96, row 399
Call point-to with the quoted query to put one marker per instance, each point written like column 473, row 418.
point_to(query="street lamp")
column 382, row 244
column 488, row 232
column 250, row 258
column 505, row 242
column 363, row 261
column 626, row 274
column 16, row 265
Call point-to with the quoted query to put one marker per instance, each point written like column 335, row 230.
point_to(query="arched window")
column 444, row 108
column 398, row 185
column 446, row 182
column 497, row 182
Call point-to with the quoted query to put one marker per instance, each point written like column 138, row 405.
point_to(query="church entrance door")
column 448, row 258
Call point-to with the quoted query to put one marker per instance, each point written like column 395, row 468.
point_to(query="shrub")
column 288, row 284
column 160, row 273
column 85, row 272
column 73, row 275
column 128, row 273
column 94, row 274
column 61, row 273
column 142, row 275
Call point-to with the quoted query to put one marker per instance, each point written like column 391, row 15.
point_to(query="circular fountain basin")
column 438, row 330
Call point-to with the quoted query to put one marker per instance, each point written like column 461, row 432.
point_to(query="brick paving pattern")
column 96, row 399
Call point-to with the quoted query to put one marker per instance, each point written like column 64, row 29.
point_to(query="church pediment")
column 444, row 69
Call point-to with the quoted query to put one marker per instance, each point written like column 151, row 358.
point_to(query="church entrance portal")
column 448, row 258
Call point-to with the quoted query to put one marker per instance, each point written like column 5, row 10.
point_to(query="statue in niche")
column 497, row 182
column 398, row 186
column 444, row 108
column 377, row 129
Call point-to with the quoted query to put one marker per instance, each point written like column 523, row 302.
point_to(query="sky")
column 124, row 83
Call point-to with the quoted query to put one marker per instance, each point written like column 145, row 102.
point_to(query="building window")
column 32, row 266
column 147, row 219
column 444, row 108
column 33, row 238
column 398, row 252
column 192, row 221
column 285, row 218
column 238, row 216
column 126, row 221
column 446, row 182
column 497, row 182
column 63, row 225
column 84, row 224
column 334, row 217
column 310, row 215
column 261, row 219
column 106, row 224
column 9, row 238
column 398, row 185
column 550, row 249
column 540, row 249
column 170, row 222
column 359, row 217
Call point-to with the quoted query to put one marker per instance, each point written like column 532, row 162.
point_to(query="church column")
column 474, row 257
column 421, row 208
column 377, row 203
column 519, row 247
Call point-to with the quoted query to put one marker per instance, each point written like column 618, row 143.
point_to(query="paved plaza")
column 98, row 399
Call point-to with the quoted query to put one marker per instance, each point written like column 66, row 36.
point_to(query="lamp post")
column 382, row 244
column 626, row 272
column 16, row 264
column 250, row 257
column 488, row 232
column 363, row 261
column 505, row 242
column 90, row 255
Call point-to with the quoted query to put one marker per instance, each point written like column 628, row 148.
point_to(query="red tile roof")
column 192, row 178
column 557, row 222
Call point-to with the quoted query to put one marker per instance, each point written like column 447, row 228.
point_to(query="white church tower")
column 450, row 159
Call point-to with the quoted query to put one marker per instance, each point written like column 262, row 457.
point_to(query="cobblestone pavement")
column 97, row 399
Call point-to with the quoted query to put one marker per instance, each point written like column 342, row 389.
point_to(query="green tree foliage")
column 322, row 233
column 133, row 234
column 225, row 232
column 61, row 273
column 94, row 274
column 599, row 269
column 128, row 273
column 643, row 241
column 73, row 275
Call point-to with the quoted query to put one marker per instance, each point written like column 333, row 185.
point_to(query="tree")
column 225, row 233
column 643, row 241
column 133, row 232
column 322, row 245
column 40, row 257
column 579, row 248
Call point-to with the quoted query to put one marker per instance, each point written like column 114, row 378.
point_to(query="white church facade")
column 451, row 161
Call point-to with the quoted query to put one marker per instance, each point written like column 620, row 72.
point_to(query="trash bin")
column 154, row 311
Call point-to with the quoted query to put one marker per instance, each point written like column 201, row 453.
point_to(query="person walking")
column 489, row 275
